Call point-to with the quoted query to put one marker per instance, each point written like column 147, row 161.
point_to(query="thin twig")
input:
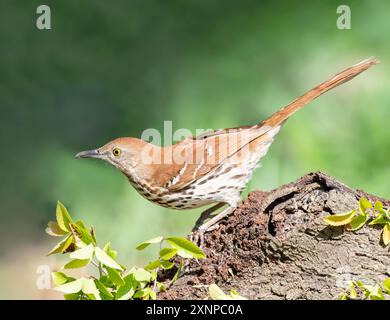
column 101, row 270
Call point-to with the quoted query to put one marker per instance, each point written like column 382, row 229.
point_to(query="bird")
column 212, row 168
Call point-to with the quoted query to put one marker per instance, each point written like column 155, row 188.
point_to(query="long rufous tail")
column 283, row 114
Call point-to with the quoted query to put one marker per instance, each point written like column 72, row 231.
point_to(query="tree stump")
column 276, row 246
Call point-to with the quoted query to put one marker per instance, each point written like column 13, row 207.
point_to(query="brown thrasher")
column 210, row 168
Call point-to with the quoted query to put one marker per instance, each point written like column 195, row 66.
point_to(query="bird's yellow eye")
column 116, row 152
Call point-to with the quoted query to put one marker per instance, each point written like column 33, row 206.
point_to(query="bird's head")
column 123, row 153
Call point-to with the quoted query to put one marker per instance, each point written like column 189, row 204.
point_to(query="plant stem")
column 155, row 280
column 100, row 270
column 99, row 266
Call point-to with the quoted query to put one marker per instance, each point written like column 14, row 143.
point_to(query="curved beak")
column 88, row 154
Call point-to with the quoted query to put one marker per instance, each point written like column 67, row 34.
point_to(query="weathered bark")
column 276, row 246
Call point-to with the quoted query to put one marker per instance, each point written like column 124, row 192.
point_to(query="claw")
column 200, row 238
column 197, row 237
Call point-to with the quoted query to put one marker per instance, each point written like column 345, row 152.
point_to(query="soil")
column 275, row 245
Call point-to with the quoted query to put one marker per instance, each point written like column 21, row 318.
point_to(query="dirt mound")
column 276, row 246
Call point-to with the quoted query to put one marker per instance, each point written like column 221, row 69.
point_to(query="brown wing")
column 221, row 131
column 193, row 158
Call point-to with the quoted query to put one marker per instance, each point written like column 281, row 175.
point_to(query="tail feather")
column 348, row 74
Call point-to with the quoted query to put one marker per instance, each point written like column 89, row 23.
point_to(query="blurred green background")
column 114, row 69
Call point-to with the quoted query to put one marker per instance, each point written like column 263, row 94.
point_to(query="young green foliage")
column 216, row 293
column 358, row 218
column 359, row 291
column 340, row 219
column 115, row 281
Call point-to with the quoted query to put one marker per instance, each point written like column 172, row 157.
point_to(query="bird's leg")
column 211, row 225
column 197, row 235
column 205, row 215
column 194, row 237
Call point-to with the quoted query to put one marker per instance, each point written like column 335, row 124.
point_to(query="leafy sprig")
column 366, row 213
column 359, row 291
column 115, row 281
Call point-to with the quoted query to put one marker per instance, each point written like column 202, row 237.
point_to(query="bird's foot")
column 197, row 235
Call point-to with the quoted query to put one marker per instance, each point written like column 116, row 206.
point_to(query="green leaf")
column 352, row 290
column 85, row 253
column 82, row 232
column 142, row 275
column 105, row 279
column 126, row 291
column 63, row 217
column 53, row 229
column 74, row 264
column 358, row 222
column 105, row 294
column 140, row 294
column 89, row 288
column 166, row 265
column 152, row 294
column 344, row 296
column 371, row 292
column 362, row 286
column 366, row 288
column 145, row 244
column 386, row 285
column 160, row 286
column 378, row 296
column 376, row 293
column 106, row 259
column 60, row 278
column 145, row 294
column 378, row 206
column 72, row 296
column 92, row 233
column 153, row 265
column 168, row 253
column 379, row 219
column 132, row 270
column 364, row 204
column 153, row 275
column 107, row 249
column 149, row 292
column 187, row 249
column 216, row 293
column 386, row 234
column 339, row 219
column 115, row 276
column 62, row 246
column 235, row 296
column 71, row 287
column 82, row 225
